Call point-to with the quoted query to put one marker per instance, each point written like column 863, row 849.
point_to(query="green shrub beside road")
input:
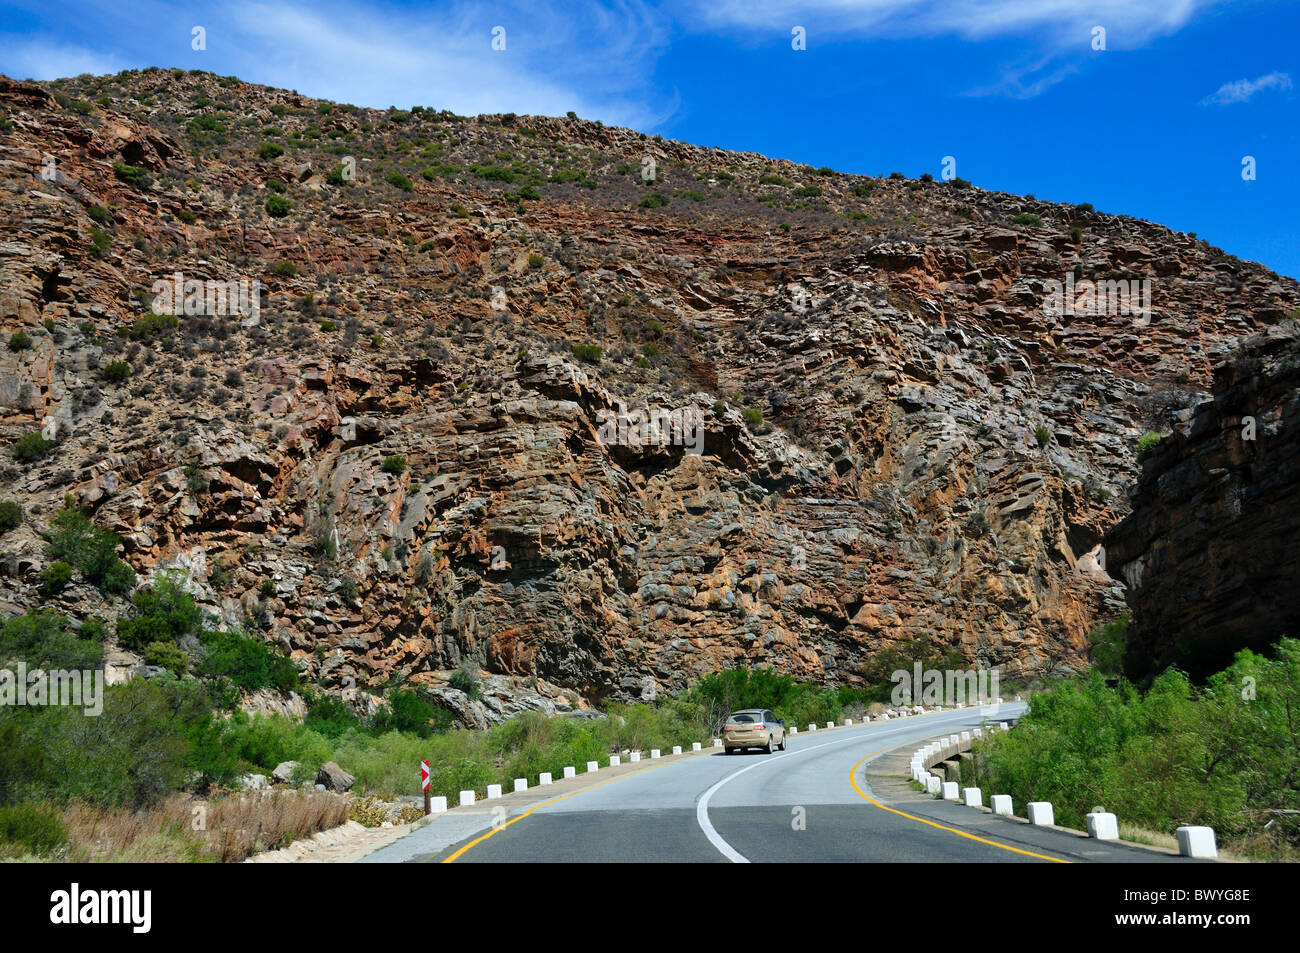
column 1225, row 755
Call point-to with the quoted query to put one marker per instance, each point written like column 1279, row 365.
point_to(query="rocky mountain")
column 906, row 410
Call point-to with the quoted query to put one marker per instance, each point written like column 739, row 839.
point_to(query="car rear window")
column 747, row 718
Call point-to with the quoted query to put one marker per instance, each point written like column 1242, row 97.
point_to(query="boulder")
column 283, row 773
column 334, row 778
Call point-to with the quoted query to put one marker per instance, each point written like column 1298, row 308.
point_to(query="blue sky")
column 1156, row 125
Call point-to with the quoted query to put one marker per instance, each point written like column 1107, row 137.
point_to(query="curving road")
column 836, row 795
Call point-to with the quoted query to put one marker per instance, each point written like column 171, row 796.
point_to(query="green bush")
column 285, row 269
column 528, row 192
column 166, row 655
column 1146, row 445
column 277, row 206
column 397, row 180
column 753, row 416
column 100, row 242
column 395, row 464
column 245, row 661
column 196, row 481
column 330, row 716
column 19, row 341
column 55, row 576
column 412, row 711
column 43, row 638
column 149, row 325
column 38, row 830
column 73, row 538
column 653, row 200
column 163, row 612
column 276, row 186
column 133, row 175
column 116, row 371
column 1221, row 755
column 589, row 353
column 466, row 680
column 11, row 516
column 270, row 150
column 1043, row 434
column 1025, row 218
column 535, row 260
column 31, row 446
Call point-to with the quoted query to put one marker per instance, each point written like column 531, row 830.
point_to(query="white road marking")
column 702, row 806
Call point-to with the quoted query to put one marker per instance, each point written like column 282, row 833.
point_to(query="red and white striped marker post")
column 424, row 783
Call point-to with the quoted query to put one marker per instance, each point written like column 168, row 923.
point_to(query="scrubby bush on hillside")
column 73, row 538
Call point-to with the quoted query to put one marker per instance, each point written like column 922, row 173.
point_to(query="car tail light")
column 760, row 727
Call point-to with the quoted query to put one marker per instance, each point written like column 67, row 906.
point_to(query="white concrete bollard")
column 695, row 746
column 965, row 736
column 1002, row 726
column 466, row 798
column 615, row 761
column 494, row 790
column 1197, row 842
column 634, row 756
column 677, row 749
column 1001, row 804
column 437, row 804
column 1041, row 813
column 961, row 705
column 972, row 797
column 593, row 766
column 812, row 727
column 570, row 772
column 717, row 742
column 1103, row 826
column 544, row 778
column 978, row 732
column 654, row 752
column 955, row 739
column 830, row 724
column 794, row 731
column 950, row 791
column 521, row 784
column 848, row 722
column 933, row 784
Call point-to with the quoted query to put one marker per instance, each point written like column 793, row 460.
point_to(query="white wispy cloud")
column 1128, row 24
column 559, row 55
column 1243, row 90
column 38, row 58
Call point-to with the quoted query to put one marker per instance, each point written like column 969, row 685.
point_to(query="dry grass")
column 186, row 830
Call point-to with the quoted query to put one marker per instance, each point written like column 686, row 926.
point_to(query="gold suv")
column 753, row 728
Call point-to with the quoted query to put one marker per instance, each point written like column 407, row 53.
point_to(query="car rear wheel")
column 768, row 748
column 781, row 746
column 730, row 750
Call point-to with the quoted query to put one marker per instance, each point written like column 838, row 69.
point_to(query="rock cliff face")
column 1211, row 551
column 906, row 437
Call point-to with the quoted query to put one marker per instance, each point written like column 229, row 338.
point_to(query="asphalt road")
column 832, row 796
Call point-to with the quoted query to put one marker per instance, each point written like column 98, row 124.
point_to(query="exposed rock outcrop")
column 1211, row 551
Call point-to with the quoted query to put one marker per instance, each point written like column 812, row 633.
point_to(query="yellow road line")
column 554, row 800
column 853, row 780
